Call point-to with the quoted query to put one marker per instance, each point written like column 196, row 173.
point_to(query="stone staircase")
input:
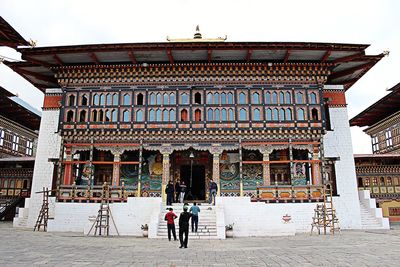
column 207, row 228
column 369, row 221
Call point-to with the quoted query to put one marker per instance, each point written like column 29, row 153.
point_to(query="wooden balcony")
column 288, row 193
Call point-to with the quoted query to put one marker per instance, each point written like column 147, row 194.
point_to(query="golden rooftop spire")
column 197, row 38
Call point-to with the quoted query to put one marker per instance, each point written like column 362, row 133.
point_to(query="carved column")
column 116, row 168
column 165, row 151
column 139, row 184
column 68, row 166
column 316, row 169
column 216, row 151
column 266, row 151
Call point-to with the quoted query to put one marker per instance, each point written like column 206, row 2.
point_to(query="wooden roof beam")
column 326, row 56
column 170, row 57
column 209, row 55
column 249, row 53
column 39, row 62
column 349, row 71
column 58, row 59
column 132, row 57
column 287, row 55
column 94, row 58
column 36, row 75
column 349, row 58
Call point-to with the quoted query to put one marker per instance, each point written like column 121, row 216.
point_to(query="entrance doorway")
column 197, row 189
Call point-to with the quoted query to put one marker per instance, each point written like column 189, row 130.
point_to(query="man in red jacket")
column 170, row 217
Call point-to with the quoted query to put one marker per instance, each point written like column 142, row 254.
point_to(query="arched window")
column 242, row 98
column 152, row 115
column 288, row 98
column 158, row 99
column 197, row 98
column 210, row 114
column 224, row 115
column 139, row 99
column 256, row 98
column 216, row 117
column 125, row 116
column 70, row 116
column 243, row 114
column 107, row 117
column 165, row 115
column 158, row 115
column 299, row 98
column 267, row 98
column 216, row 98
column 281, row 97
column 96, row 100
column 101, row 115
column 313, row 98
column 139, row 115
column 152, row 99
column 288, row 114
column 197, row 115
column 231, row 115
column 84, row 100
column 300, row 114
column 172, row 115
column 230, row 98
column 172, row 99
column 276, row 115
column 108, row 100
column 184, row 115
column 282, row 114
column 94, row 115
column 102, row 99
column 71, row 100
column 256, row 115
column 165, row 99
column 127, row 100
column 115, row 99
column 82, row 116
column 184, row 98
column 314, row 114
column 209, row 98
column 274, row 98
column 269, row 114
column 223, row 98
column 114, row 115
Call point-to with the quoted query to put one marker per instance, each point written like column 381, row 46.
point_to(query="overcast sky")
column 74, row 22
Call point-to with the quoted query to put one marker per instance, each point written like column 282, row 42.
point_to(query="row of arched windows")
column 159, row 115
column 212, row 98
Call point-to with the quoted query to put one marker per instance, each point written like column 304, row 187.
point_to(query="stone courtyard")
column 350, row 248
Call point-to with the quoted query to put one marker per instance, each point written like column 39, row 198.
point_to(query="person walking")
column 184, row 226
column 177, row 191
column 170, row 217
column 213, row 188
column 169, row 190
column 182, row 192
column 194, row 210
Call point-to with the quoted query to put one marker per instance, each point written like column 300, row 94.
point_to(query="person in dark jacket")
column 184, row 226
column 170, row 193
column 177, row 191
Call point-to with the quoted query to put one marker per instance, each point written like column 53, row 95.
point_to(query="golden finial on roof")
column 197, row 38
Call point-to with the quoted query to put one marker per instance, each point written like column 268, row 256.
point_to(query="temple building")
column 267, row 121
column 380, row 172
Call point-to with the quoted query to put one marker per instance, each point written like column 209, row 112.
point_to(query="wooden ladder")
column 102, row 223
column 44, row 212
column 325, row 215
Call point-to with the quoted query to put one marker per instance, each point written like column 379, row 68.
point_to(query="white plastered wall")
column 337, row 143
column 49, row 143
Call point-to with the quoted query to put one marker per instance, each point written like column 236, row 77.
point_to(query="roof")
column 9, row 36
column 17, row 110
column 358, row 156
column 17, row 159
column 349, row 61
column 383, row 108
